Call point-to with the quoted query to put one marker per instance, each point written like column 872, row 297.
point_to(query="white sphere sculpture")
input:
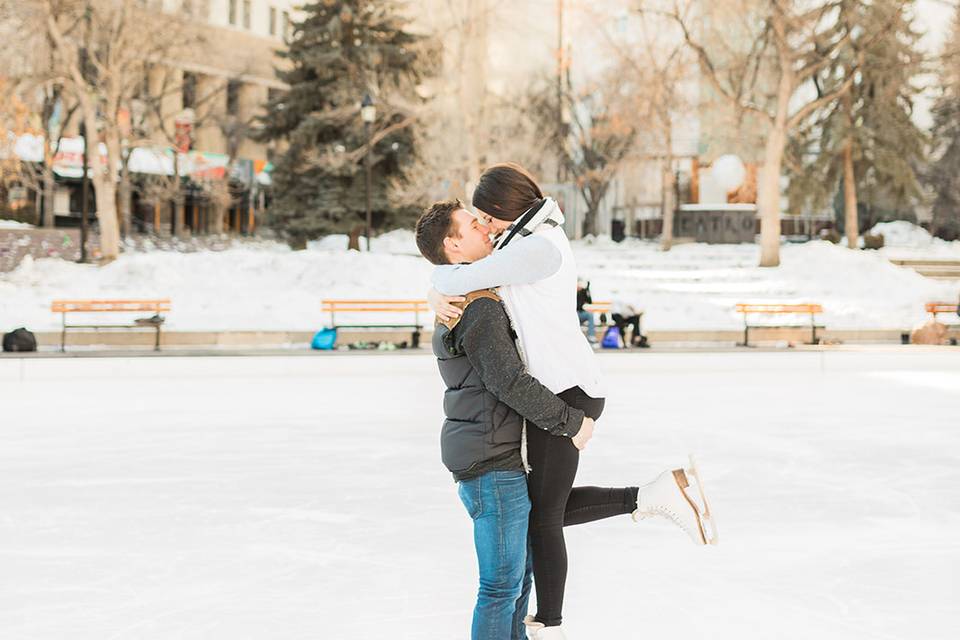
column 729, row 172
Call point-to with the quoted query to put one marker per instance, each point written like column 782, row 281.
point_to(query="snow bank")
column 907, row 240
column 262, row 286
column 13, row 224
column 398, row 242
column 267, row 286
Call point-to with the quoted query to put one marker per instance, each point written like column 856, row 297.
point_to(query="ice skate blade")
column 705, row 518
column 680, row 477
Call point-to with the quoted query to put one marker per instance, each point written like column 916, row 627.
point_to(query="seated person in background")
column 584, row 297
column 624, row 315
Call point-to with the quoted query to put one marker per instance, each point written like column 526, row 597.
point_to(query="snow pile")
column 13, row 224
column 267, row 286
column 263, row 286
column 697, row 286
column 901, row 233
column 902, row 239
column 397, row 242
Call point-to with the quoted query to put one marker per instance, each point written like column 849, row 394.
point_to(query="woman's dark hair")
column 506, row 191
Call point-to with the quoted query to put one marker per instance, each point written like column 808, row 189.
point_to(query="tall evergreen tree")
column 865, row 147
column 341, row 51
column 943, row 176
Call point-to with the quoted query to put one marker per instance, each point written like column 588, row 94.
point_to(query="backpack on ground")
column 324, row 340
column 611, row 338
column 19, row 340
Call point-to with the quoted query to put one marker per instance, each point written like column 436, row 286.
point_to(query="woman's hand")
column 441, row 305
column 585, row 433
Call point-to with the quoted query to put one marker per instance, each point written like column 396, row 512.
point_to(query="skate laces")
column 663, row 511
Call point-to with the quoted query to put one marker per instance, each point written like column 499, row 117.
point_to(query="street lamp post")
column 368, row 113
column 84, row 193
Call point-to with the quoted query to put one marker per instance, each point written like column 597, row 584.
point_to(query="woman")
column 534, row 267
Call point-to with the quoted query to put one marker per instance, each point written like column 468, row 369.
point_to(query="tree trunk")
column 471, row 85
column 769, row 201
column 850, row 196
column 178, row 212
column 176, row 188
column 768, row 195
column 354, row 242
column 106, row 188
column 219, row 213
column 668, row 205
column 126, row 201
column 49, row 193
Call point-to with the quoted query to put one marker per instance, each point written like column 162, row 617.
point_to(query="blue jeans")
column 587, row 316
column 499, row 505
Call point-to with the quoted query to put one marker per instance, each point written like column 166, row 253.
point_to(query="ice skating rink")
column 303, row 497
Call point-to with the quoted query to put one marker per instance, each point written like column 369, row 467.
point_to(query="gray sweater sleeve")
column 523, row 261
column 485, row 338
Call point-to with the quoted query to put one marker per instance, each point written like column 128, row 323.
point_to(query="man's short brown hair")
column 434, row 227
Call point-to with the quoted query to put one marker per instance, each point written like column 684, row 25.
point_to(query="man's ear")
column 450, row 244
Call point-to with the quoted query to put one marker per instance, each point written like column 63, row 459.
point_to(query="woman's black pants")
column 556, row 503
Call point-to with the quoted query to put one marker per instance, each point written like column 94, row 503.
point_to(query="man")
column 584, row 298
column 625, row 314
column 488, row 396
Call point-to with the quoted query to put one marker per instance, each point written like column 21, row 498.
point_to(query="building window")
column 232, row 11
column 188, row 92
column 246, row 14
column 273, row 21
column 286, row 24
column 233, row 97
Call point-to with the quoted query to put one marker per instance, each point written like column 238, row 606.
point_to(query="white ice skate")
column 537, row 631
column 667, row 497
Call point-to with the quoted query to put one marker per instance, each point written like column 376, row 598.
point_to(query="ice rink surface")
column 304, row 497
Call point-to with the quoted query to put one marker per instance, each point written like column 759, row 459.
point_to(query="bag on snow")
column 324, row 339
column 19, row 340
column 611, row 338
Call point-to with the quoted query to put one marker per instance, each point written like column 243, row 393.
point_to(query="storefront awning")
column 197, row 165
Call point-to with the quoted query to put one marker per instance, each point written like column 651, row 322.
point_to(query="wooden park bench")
column 157, row 307
column 601, row 310
column 412, row 309
column 601, row 306
column 950, row 308
column 780, row 309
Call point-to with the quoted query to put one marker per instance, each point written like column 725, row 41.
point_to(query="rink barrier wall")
column 295, row 339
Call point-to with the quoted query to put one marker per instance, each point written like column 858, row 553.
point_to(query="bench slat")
column 600, row 306
column 941, row 307
column 372, row 309
column 779, row 308
column 94, row 306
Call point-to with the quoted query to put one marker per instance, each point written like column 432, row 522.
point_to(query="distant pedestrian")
column 584, row 298
column 626, row 315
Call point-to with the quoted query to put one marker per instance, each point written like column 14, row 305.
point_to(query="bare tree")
column 14, row 123
column 174, row 125
column 761, row 58
column 100, row 49
column 657, row 58
column 605, row 117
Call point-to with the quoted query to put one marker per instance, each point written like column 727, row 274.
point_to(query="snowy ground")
column 304, row 498
column 266, row 286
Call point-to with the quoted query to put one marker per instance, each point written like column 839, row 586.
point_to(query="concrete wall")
column 41, row 243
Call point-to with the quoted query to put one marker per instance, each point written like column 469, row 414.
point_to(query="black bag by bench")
column 19, row 340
